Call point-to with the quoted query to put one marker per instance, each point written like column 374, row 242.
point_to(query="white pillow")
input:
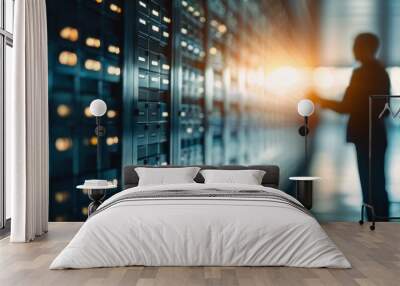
column 248, row 177
column 166, row 176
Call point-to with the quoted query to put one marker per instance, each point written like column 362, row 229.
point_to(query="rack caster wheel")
column 372, row 227
column 361, row 222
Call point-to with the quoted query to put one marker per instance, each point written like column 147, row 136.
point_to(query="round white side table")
column 96, row 194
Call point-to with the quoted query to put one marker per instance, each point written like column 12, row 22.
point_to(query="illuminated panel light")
column 141, row 3
column 154, row 63
column 113, row 49
column 183, row 44
column 87, row 112
column 165, row 81
column 214, row 23
column 93, row 42
column 111, row 113
column 155, row 28
column 142, row 21
column 165, row 114
column 184, row 3
column 61, row 197
column 70, row 34
column 196, row 13
column 63, row 144
column 155, row 13
column 184, row 31
column 112, row 70
column 203, row 19
column 68, row 58
column 98, row 1
column 154, row 79
column 116, row 140
column 93, row 141
column 85, row 211
column 92, row 65
column 165, row 34
column 166, row 20
column 213, row 51
column 190, row 9
column 222, row 29
column 63, row 110
column 115, row 8
column 112, row 140
column 165, row 67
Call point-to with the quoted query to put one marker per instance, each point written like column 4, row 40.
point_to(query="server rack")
column 84, row 64
column 190, row 55
column 234, row 109
column 216, row 96
column 147, row 82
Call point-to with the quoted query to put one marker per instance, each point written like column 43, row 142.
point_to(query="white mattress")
column 200, row 231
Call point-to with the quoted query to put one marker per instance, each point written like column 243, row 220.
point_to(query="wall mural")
column 184, row 82
column 196, row 82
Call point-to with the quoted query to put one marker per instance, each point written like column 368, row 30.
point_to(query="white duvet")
column 200, row 231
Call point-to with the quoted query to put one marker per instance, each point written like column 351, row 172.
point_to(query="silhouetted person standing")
column 370, row 78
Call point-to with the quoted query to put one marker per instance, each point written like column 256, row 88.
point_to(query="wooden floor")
column 375, row 257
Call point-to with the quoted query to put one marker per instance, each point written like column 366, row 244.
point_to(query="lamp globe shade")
column 305, row 107
column 98, row 107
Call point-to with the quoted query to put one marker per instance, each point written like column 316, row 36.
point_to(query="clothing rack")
column 370, row 204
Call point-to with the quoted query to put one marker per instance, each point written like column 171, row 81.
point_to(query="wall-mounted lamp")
column 305, row 108
column 98, row 108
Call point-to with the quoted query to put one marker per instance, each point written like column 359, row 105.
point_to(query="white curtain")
column 27, row 124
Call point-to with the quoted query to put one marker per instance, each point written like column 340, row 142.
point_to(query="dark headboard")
column 271, row 177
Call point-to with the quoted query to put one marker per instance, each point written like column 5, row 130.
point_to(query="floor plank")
column 375, row 257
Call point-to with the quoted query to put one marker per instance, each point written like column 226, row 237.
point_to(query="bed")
column 198, row 224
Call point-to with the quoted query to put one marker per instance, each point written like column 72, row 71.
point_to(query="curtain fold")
column 27, row 124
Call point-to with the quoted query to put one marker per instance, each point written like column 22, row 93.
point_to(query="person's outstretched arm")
column 349, row 97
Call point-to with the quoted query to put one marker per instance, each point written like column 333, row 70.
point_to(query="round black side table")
column 304, row 190
column 96, row 194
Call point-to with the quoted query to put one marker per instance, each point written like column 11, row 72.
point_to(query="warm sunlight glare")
column 287, row 79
